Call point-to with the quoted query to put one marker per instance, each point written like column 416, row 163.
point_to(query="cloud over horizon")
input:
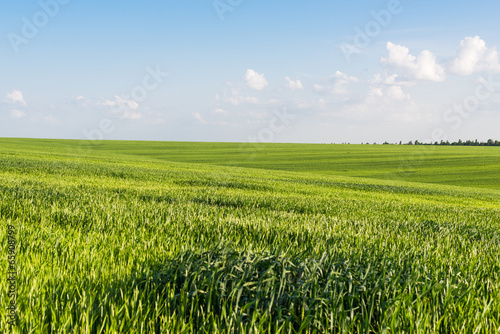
column 421, row 67
column 255, row 80
column 474, row 56
column 294, row 84
column 15, row 97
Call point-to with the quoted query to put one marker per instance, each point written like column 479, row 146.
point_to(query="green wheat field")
column 170, row 237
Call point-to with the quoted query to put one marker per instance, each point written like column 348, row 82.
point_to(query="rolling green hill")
column 461, row 166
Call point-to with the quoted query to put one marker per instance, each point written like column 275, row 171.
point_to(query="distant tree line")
column 489, row 142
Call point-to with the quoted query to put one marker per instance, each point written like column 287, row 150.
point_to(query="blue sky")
column 240, row 70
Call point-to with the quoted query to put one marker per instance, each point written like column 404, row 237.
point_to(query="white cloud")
column 423, row 67
column 396, row 93
column 199, row 118
column 388, row 92
column 318, row 88
column 389, row 80
column 232, row 97
column 82, row 101
column 17, row 113
column 376, row 91
column 122, row 107
column 294, row 85
column 15, row 96
column 383, row 104
column 131, row 115
column 218, row 110
column 474, row 56
column 345, row 77
column 389, row 87
column 385, row 101
column 255, row 80
column 233, row 100
column 338, row 84
column 342, row 80
column 125, row 108
column 122, row 103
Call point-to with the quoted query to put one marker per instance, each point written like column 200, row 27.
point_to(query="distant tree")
column 460, row 142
